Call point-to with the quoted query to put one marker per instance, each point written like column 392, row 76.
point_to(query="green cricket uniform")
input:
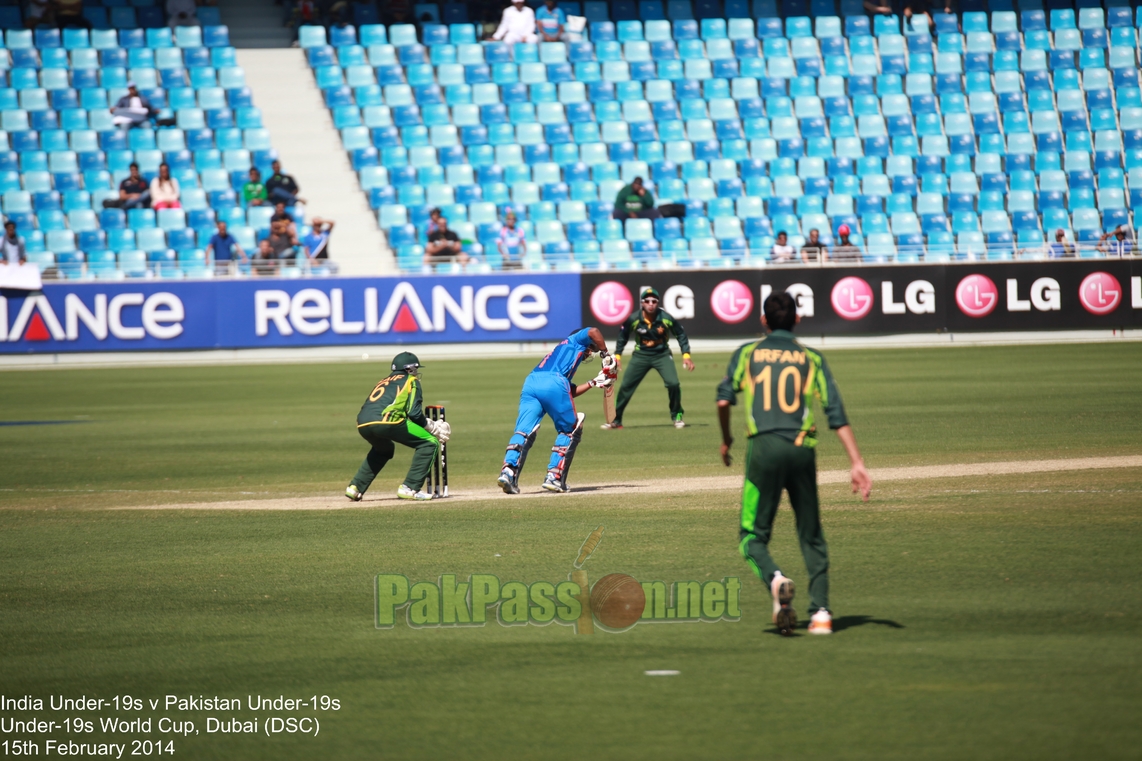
column 779, row 379
column 651, row 350
column 394, row 414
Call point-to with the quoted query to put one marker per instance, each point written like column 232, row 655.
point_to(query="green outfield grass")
column 984, row 618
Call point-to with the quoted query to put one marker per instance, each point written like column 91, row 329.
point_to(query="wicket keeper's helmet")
column 405, row 360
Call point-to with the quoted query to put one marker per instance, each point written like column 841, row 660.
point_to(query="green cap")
column 404, row 360
column 649, row 292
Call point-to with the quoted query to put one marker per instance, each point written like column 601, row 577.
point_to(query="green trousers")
column 774, row 464
column 384, row 437
column 636, row 369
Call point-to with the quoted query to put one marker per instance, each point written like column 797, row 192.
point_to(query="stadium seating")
column 61, row 156
column 974, row 142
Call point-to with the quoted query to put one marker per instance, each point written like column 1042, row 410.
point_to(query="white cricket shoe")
column 551, row 483
column 507, row 481
column 612, row 426
column 821, row 622
column 403, row 492
column 783, row 590
column 353, row 493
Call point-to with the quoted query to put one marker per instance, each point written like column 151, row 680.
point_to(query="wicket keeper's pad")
column 636, row 369
column 383, row 437
column 775, row 464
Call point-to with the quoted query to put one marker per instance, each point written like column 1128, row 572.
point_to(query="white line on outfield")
column 672, row 486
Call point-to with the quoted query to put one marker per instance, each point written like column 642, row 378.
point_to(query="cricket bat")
column 609, row 400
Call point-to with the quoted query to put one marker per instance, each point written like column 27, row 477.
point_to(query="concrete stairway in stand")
column 301, row 129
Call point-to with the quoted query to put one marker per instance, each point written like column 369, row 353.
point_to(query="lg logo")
column 1100, row 293
column 731, row 301
column 611, row 302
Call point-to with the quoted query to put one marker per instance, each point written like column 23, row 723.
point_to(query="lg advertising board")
column 887, row 299
column 149, row 315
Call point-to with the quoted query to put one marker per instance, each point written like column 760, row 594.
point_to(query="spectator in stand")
column 182, row 13
column 282, row 187
column 317, row 242
column 164, row 190
column 634, row 201
column 444, row 245
column 70, row 13
column 814, row 249
column 782, row 251
column 434, row 217
column 39, row 12
column 134, row 192
column 922, row 8
column 846, row 251
column 550, row 20
column 877, row 8
column 281, row 215
column 132, row 110
column 266, row 262
column 511, row 243
column 283, row 241
column 13, row 245
column 223, row 247
column 517, row 24
column 254, row 192
column 1119, row 247
column 1061, row 248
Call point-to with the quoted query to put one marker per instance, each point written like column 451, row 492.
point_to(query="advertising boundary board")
column 149, row 315
column 159, row 315
column 882, row 300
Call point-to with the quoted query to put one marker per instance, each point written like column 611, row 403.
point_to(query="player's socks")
column 615, row 426
column 353, row 493
column 783, row 590
column 821, row 622
column 551, row 483
column 507, row 481
column 403, row 492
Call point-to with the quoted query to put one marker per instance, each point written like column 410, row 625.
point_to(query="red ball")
column 617, row 601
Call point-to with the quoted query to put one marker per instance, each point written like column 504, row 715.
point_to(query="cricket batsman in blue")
column 549, row 391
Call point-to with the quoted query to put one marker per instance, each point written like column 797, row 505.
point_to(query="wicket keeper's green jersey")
column 395, row 399
column 779, row 378
column 652, row 336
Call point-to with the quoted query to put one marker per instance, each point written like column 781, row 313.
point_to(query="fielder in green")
column 652, row 328
column 394, row 414
column 779, row 379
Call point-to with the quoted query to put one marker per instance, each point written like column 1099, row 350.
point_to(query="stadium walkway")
column 310, row 150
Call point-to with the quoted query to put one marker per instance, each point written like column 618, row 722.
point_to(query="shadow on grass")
column 846, row 622
column 665, row 425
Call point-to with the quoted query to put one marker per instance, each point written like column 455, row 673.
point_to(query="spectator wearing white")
column 550, row 21
column 165, row 190
column 517, row 24
column 132, row 110
column 782, row 251
column 182, row 13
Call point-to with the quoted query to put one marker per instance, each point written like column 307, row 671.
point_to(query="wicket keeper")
column 548, row 390
column 652, row 328
column 780, row 378
column 394, row 414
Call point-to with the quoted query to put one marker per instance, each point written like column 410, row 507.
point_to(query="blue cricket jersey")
column 564, row 359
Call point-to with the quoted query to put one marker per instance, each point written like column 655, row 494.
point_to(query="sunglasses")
column 650, row 301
